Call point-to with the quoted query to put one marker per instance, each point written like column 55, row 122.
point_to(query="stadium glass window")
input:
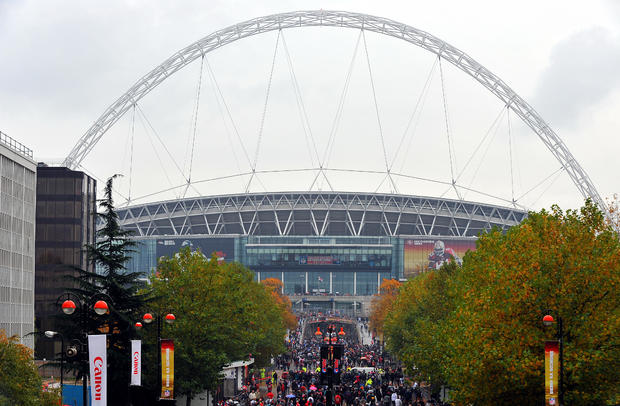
column 318, row 282
column 366, row 283
column 294, row 283
column 276, row 275
column 342, row 283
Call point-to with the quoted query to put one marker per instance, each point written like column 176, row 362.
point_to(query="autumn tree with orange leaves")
column 20, row 383
column 487, row 339
column 274, row 286
column 415, row 324
column 382, row 303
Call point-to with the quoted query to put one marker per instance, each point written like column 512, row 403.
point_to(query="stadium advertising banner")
column 318, row 260
column 422, row 254
column 224, row 248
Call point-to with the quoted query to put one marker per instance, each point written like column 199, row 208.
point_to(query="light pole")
column 169, row 318
column 548, row 321
column 52, row 334
column 69, row 307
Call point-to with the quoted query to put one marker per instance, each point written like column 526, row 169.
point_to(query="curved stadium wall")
column 317, row 243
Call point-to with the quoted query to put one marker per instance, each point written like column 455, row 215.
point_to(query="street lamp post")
column 52, row 334
column 69, row 307
column 169, row 318
column 548, row 321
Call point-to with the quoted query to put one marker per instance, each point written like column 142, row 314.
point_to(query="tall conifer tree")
column 120, row 288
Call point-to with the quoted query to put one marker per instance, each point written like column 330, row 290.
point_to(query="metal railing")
column 15, row 145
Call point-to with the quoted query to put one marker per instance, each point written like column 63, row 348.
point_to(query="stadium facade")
column 331, row 250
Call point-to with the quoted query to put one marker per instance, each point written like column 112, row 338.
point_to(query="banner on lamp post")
column 97, row 361
column 552, row 372
column 167, row 369
column 136, row 362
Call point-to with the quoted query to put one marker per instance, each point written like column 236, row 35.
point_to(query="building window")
column 367, row 283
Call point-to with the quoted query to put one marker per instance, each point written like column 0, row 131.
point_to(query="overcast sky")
column 64, row 62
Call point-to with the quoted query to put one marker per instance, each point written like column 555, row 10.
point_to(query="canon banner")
column 167, row 369
column 136, row 362
column 98, row 369
column 552, row 371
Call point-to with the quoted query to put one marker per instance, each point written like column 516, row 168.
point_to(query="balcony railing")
column 15, row 145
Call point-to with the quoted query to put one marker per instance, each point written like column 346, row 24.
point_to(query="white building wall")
column 17, row 228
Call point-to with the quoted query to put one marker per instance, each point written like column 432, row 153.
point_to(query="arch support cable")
column 262, row 120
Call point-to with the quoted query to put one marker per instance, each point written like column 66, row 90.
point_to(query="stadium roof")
column 317, row 214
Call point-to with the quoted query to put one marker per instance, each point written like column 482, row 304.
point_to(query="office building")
column 66, row 206
column 17, row 239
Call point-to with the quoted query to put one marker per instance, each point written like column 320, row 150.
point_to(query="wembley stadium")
column 331, row 249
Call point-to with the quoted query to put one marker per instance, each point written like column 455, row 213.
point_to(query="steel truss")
column 347, row 20
column 317, row 214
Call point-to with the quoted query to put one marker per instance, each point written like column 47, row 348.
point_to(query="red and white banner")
column 552, row 368
column 136, row 362
column 98, row 369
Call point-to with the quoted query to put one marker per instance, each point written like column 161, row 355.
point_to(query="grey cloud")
column 583, row 70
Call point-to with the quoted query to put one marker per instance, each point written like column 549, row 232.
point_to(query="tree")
column 223, row 315
column 415, row 324
column 20, row 383
column 274, row 286
column 485, row 329
column 382, row 303
column 568, row 262
column 114, row 284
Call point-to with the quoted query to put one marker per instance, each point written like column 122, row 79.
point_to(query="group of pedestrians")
column 368, row 377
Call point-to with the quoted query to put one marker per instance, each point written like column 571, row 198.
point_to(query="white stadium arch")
column 342, row 19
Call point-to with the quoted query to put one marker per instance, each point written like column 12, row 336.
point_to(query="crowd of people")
column 367, row 377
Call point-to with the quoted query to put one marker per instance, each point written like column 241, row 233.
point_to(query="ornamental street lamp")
column 52, row 334
column 548, row 321
column 169, row 318
column 69, row 306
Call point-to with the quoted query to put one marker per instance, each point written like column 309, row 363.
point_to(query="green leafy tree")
column 20, row 383
column 119, row 288
column 415, row 324
column 222, row 315
column 488, row 336
column 568, row 262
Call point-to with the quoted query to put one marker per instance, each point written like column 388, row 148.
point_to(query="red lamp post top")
column 138, row 325
column 68, row 306
column 148, row 317
column 170, row 318
column 548, row 320
column 101, row 307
